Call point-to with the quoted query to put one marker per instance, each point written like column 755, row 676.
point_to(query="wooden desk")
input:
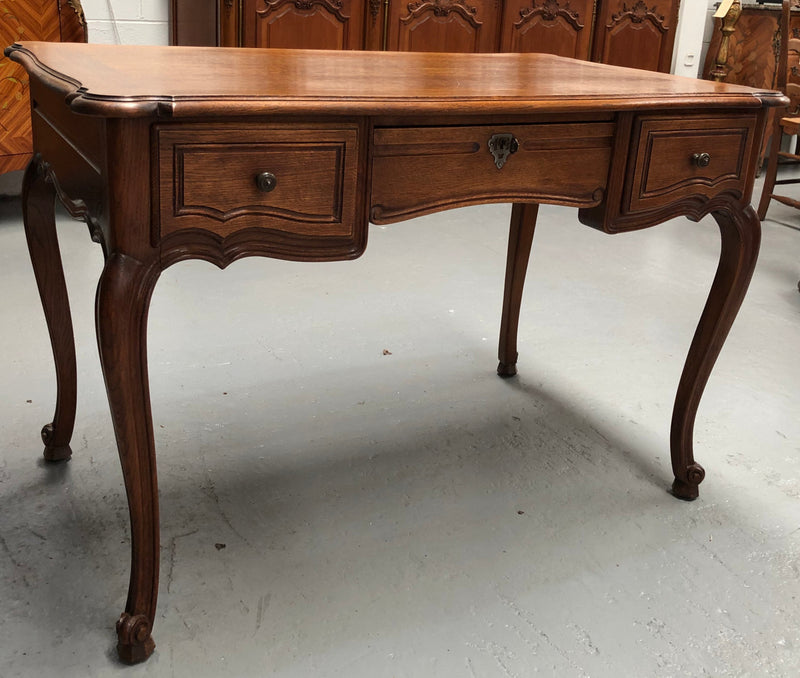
column 217, row 154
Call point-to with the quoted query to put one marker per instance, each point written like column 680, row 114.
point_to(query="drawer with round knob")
column 295, row 181
column 687, row 157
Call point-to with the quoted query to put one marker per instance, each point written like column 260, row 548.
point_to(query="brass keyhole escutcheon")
column 501, row 147
column 266, row 182
column 701, row 159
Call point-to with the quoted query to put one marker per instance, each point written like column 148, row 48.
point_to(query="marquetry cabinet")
column 635, row 33
column 49, row 20
column 752, row 54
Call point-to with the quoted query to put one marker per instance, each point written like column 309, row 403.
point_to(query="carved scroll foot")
column 520, row 239
column 688, row 489
column 54, row 451
column 134, row 642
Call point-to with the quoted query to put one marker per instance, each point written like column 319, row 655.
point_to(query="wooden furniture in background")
column 631, row 33
column 786, row 122
column 752, row 54
column 555, row 29
column 56, row 20
column 728, row 13
column 636, row 34
column 284, row 153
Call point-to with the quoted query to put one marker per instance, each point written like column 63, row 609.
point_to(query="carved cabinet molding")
column 640, row 29
column 637, row 33
column 562, row 27
column 320, row 24
column 442, row 26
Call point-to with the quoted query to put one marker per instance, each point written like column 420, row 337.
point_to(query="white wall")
column 694, row 32
column 712, row 7
column 141, row 22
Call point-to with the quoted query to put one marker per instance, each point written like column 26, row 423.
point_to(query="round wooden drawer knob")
column 266, row 182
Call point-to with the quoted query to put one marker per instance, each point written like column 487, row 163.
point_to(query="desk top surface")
column 134, row 81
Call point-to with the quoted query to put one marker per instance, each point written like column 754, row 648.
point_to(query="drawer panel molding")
column 678, row 158
column 219, row 181
column 298, row 189
column 445, row 167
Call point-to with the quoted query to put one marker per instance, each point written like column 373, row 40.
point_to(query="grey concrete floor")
column 410, row 514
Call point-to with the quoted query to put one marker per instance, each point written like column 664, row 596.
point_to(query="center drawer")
column 418, row 170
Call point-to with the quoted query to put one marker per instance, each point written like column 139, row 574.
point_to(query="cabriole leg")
column 520, row 238
column 741, row 237
column 123, row 298
column 38, row 213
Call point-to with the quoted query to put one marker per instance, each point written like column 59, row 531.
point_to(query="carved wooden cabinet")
column 442, row 26
column 637, row 33
column 562, row 28
column 320, row 24
column 50, row 20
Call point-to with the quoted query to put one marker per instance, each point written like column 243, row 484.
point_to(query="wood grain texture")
column 126, row 284
column 466, row 26
column 740, row 232
column 636, row 33
column 520, row 239
column 300, row 24
column 631, row 33
column 131, row 81
column 38, row 214
column 558, row 164
column 211, row 185
column 562, row 28
column 752, row 48
column 194, row 22
column 664, row 169
column 164, row 172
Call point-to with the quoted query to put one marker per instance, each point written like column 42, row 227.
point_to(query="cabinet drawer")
column 687, row 157
column 417, row 170
column 208, row 178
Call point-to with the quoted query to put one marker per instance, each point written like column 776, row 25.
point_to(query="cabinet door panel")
column 637, row 34
column 194, row 22
column 299, row 24
column 443, row 26
column 562, row 27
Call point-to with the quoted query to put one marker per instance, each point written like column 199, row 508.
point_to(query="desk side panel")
column 73, row 148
